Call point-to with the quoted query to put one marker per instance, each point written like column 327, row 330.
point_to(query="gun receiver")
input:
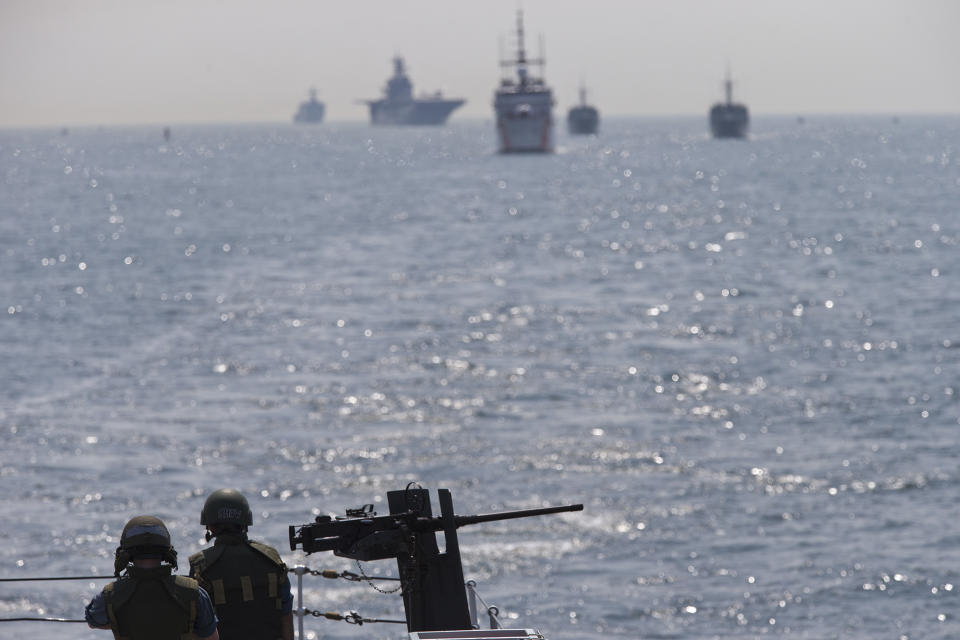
column 433, row 587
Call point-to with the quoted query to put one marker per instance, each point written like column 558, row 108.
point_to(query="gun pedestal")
column 434, row 598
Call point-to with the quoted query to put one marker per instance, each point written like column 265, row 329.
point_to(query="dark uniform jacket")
column 151, row 604
column 244, row 579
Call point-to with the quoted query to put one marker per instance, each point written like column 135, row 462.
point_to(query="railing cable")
column 27, row 619
column 56, row 578
column 351, row 617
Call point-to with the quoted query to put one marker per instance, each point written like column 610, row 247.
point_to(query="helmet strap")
column 120, row 561
column 226, row 529
column 170, row 556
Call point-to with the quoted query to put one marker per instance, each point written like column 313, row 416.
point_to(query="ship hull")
column 314, row 116
column 524, row 122
column 310, row 112
column 729, row 121
column 412, row 112
column 583, row 121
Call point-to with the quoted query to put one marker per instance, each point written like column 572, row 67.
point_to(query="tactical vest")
column 243, row 577
column 151, row 604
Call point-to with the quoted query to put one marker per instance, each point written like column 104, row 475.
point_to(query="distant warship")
column 729, row 119
column 523, row 106
column 398, row 106
column 583, row 118
column 311, row 111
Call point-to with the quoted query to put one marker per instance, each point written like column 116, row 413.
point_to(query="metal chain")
column 351, row 617
column 370, row 580
column 344, row 575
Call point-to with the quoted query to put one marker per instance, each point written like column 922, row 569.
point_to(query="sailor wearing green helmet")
column 147, row 602
column 247, row 579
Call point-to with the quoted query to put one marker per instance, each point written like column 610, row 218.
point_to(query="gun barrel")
column 510, row 515
column 341, row 535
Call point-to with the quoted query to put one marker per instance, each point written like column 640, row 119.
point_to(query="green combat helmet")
column 226, row 506
column 144, row 537
column 144, row 531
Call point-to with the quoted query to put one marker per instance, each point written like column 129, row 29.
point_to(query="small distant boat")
column 729, row 119
column 524, row 106
column 311, row 111
column 583, row 118
column 398, row 106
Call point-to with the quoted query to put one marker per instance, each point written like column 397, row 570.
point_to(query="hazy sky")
column 74, row 62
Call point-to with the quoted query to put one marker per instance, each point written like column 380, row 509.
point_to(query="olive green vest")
column 151, row 604
column 244, row 579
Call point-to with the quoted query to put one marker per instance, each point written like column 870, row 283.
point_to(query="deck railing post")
column 300, row 570
column 472, row 603
column 494, row 615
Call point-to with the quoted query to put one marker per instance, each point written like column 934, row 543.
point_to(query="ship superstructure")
column 311, row 111
column 523, row 104
column 729, row 119
column 398, row 106
column 583, row 118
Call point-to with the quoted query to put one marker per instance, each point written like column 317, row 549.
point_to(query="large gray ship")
column 523, row 105
column 311, row 111
column 398, row 106
column 729, row 119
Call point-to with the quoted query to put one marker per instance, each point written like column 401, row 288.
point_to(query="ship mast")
column 728, row 86
column 521, row 62
column 521, row 51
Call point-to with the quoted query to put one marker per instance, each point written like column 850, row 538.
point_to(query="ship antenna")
column 521, row 51
column 501, row 56
column 543, row 57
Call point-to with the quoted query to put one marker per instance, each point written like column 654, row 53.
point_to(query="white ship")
column 524, row 104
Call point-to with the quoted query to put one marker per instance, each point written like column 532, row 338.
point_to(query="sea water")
column 740, row 355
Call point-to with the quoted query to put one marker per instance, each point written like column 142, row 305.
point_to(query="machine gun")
column 434, row 597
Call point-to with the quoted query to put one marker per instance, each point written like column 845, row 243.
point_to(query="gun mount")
column 434, row 598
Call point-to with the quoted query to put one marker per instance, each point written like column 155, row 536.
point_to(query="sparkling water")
column 740, row 356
